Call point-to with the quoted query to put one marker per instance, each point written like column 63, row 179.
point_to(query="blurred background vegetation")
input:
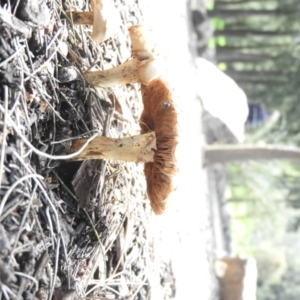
column 257, row 43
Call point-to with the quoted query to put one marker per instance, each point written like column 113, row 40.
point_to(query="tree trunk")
column 229, row 153
column 232, row 56
column 249, row 32
column 258, row 76
column 260, row 80
column 254, row 73
column 236, row 13
column 232, row 2
column 224, row 3
column 253, row 45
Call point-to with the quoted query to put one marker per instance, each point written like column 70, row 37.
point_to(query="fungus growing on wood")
column 144, row 65
column 104, row 18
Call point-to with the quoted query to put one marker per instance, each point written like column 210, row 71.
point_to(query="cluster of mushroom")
column 159, row 137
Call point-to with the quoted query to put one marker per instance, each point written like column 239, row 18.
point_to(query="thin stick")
column 4, row 133
column 38, row 152
column 12, row 188
column 11, row 57
column 25, row 216
column 30, row 278
column 35, row 178
column 55, row 268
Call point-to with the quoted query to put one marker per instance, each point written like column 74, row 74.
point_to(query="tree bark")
column 258, row 76
column 229, row 153
column 224, row 3
column 235, row 13
column 254, row 73
column 260, row 80
column 232, row 2
column 250, row 32
column 232, row 56
column 252, row 46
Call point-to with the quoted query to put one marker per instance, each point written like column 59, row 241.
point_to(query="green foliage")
column 287, row 288
column 217, row 41
column 271, row 265
column 261, row 224
column 218, row 23
column 221, row 41
column 278, row 53
column 259, row 202
column 264, row 199
column 222, row 66
column 210, row 4
column 212, row 43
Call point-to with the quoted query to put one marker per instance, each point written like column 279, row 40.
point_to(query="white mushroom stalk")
column 104, row 18
column 143, row 42
column 139, row 148
column 144, row 66
column 131, row 71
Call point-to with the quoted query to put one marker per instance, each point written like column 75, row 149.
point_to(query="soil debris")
column 50, row 247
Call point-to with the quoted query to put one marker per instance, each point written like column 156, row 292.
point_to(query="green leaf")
column 218, row 24
column 221, row 41
column 212, row 42
column 210, row 4
column 222, row 66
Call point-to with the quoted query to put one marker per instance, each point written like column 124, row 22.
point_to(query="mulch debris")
column 49, row 247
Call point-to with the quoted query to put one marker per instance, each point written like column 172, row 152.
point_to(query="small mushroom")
column 155, row 146
column 104, row 17
column 144, row 65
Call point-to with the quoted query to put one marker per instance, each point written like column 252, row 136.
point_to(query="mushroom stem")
column 131, row 71
column 104, row 17
column 139, row 148
column 144, row 66
column 121, row 74
column 143, row 43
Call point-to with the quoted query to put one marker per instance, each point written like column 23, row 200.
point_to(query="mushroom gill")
column 159, row 115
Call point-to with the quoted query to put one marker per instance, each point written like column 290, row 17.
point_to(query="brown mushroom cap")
column 160, row 116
